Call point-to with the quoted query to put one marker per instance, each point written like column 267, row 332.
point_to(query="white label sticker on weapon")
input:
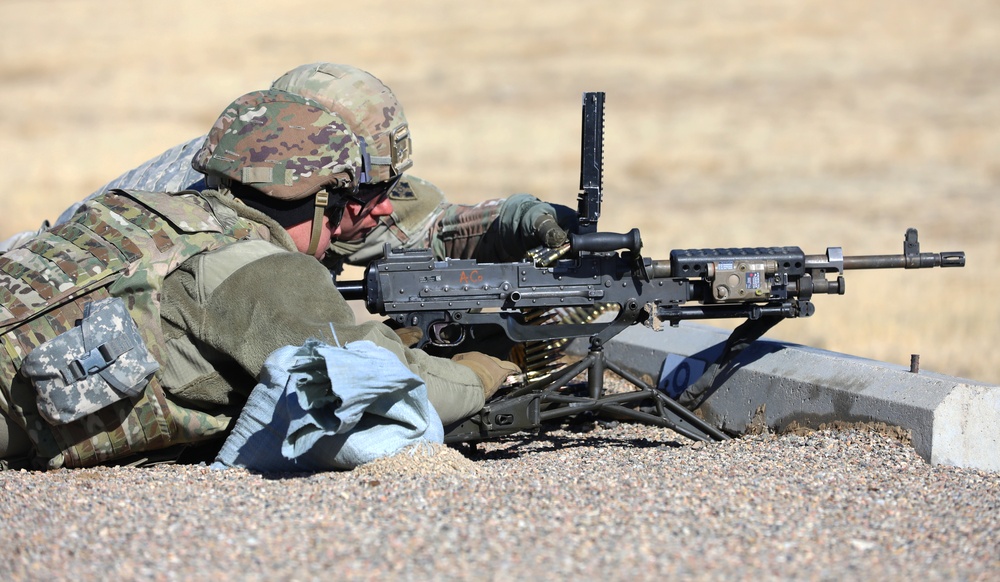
column 678, row 373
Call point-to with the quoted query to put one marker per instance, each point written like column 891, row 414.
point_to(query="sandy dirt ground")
column 781, row 122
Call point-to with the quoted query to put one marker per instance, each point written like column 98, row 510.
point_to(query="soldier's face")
column 356, row 225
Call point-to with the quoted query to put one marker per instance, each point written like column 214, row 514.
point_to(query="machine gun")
column 460, row 301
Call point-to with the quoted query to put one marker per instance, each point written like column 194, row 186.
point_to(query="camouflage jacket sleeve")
column 495, row 230
column 170, row 171
column 282, row 299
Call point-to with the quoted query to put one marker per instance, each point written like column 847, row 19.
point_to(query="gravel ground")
column 618, row 503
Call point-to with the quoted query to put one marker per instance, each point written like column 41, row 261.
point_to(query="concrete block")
column 953, row 421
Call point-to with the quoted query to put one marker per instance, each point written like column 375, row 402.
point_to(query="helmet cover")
column 284, row 145
column 367, row 106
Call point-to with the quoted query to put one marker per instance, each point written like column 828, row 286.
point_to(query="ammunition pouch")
column 91, row 366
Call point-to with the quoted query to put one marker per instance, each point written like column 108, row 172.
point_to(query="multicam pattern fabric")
column 281, row 144
column 95, row 364
column 129, row 426
column 458, row 231
column 367, row 106
column 120, row 244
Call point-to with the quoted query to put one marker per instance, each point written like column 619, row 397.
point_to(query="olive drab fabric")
column 119, row 244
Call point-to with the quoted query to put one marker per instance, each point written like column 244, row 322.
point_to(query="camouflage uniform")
column 118, row 245
column 213, row 287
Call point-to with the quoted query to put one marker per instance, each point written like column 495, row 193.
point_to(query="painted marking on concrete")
column 678, row 373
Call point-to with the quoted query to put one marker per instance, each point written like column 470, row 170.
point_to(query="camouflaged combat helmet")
column 285, row 146
column 368, row 107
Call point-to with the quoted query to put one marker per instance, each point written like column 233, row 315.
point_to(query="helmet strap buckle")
column 322, row 200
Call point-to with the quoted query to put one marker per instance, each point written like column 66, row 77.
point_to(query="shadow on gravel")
column 553, row 440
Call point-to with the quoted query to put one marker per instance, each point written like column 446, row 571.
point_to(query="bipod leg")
column 740, row 339
column 595, row 372
column 547, row 384
column 663, row 401
column 669, row 414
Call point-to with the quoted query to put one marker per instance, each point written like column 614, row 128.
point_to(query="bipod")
column 556, row 402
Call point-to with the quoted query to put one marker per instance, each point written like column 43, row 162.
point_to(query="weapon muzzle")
column 953, row 259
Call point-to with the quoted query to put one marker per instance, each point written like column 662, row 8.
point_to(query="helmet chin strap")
column 322, row 200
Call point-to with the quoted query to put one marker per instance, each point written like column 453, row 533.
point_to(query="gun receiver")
column 457, row 300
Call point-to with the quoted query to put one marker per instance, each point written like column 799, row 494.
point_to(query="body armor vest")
column 119, row 244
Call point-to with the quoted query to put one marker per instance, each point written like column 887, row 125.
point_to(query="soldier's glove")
column 492, row 372
column 409, row 335
column 524, row 223
column 548, row 231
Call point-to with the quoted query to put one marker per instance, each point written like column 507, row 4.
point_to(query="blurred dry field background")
column 781, row 122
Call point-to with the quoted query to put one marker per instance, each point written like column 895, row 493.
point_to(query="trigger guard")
column 438, row 334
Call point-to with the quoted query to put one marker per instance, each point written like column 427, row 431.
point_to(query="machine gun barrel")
column 835, row 261
column 922, row 261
